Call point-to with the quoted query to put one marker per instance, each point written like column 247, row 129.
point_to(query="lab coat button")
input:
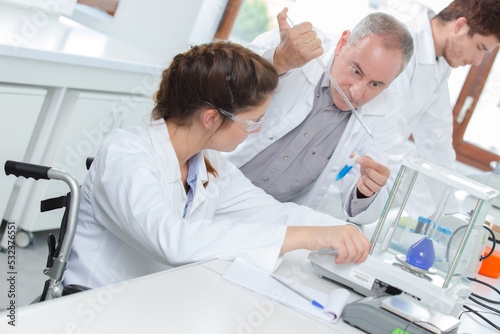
column 271, row 138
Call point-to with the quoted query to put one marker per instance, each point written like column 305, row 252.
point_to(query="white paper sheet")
column 259, row 280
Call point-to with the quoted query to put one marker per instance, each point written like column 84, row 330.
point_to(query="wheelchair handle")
column 53, row 286
column 27, row 170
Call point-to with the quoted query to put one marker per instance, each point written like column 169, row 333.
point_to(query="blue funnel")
column 421, row 254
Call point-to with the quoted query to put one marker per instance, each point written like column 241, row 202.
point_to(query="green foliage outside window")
column 253, row 19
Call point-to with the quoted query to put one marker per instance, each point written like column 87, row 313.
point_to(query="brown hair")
column 396, row 35
column 483, row 16
column 225, row 74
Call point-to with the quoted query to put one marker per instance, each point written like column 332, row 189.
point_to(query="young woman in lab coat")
column 162, row 195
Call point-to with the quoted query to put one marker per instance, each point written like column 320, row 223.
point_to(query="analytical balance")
column 426, row 257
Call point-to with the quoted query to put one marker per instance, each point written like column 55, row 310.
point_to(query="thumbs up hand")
column 298, row 45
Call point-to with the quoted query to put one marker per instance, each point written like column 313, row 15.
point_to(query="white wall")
column 50, row 6
column 164, row 28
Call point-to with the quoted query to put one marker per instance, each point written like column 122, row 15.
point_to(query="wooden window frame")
column 227, row 21
column 473, row 86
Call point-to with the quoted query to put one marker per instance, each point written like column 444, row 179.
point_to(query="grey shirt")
column 296, row 160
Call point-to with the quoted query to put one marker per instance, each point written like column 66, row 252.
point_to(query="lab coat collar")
column 426, row 51
column 325, row 81
column 162, row 145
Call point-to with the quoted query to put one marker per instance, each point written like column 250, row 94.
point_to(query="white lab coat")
column 130, row 220
column 290, row 105
column 426, row 112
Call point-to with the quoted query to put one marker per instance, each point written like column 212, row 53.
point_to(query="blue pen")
column 351, row 163
column 291, row 287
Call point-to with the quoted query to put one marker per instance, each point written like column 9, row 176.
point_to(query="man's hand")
column 298, row 45
column 373, row 176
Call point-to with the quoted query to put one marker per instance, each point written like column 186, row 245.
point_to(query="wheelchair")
column 59, row 249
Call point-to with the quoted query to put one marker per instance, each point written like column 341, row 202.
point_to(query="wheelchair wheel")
column 24, row 238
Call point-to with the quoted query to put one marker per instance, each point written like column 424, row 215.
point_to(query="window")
column 95, row 14
column 476, row 137
column 108, row 6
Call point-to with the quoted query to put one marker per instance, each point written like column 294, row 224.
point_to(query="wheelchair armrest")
column 73, row 288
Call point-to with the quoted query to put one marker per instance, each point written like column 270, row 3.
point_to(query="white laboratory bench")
column 63, row 86
column 190, row 299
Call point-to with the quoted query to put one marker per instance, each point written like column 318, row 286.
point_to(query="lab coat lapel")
column 425, row 51
column 162, row 144
column 312, row 71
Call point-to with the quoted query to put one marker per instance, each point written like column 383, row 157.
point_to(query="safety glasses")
column 249, row 126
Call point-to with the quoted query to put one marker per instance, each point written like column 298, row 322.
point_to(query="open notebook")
column 261, row 281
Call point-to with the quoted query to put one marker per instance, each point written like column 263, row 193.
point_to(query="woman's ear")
column 209, row 118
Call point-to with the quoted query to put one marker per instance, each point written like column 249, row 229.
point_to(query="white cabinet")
column 84, row 83
column 85, row 119
column 19, row 109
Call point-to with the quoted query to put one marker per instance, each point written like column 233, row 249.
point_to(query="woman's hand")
column 351, row 245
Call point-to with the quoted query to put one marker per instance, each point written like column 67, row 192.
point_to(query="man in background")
column 459, row 35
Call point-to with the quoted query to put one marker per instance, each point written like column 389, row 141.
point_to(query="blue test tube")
column 352, row 162
column 445, row 236
column 438, row 233
column 421, row 225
